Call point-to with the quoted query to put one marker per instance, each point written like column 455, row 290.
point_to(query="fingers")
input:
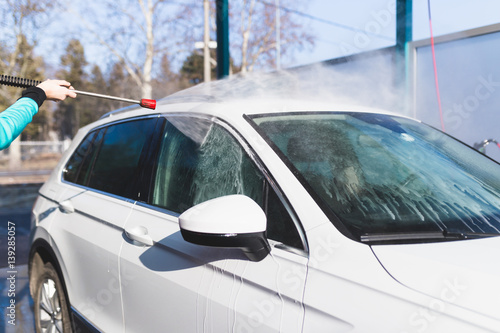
column 63, row 83
column 57, row 90
column 71, row 93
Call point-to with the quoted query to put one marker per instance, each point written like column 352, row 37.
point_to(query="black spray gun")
column 26, row 83
column 481, row 146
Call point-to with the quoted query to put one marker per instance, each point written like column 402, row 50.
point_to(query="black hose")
column 18, row 82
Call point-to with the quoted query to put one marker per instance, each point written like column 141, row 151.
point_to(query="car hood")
column 465, row 273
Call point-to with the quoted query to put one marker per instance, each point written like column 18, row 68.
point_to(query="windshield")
column 386, row 175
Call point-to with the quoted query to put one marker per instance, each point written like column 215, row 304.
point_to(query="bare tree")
column 21, row 20
column 255, row 22
column 139, row 33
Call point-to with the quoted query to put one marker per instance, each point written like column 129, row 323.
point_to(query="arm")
column 15, row 118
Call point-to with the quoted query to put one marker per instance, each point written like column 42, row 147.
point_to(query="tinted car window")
column 76, row 160
column 205, row 161
column 83, row 175
column 280, row 226
column 117, row 162
column 109, row 159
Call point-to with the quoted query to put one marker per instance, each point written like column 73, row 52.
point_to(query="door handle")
column 66, row 207
column 139, row 234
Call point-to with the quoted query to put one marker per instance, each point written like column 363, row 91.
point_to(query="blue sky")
column 371, row 23
column 378, row 18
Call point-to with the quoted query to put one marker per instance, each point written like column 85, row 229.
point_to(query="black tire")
column 50, row 304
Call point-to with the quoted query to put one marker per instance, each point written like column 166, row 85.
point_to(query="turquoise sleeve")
column 14, row 119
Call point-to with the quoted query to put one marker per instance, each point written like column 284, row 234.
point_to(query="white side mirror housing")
column 230, row 221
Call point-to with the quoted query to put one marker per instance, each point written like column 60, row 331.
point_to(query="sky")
column 374, row 22
column 348, row 27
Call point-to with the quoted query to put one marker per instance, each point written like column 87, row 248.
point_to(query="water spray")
column 27, row 83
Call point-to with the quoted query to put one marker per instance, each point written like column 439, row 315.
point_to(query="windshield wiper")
column 422, row 236
column 467, row 235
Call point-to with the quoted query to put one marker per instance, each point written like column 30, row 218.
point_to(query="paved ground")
column 23, row 177
column 21, row 314
column 15, row 211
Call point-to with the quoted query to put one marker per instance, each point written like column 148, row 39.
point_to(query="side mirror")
column 234, row 221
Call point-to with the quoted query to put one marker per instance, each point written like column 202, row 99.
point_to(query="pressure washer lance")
column 26, row 83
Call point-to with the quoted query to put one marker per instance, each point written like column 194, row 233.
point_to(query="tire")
column 50, row 304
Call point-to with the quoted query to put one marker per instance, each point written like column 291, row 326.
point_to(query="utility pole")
column 222, row 39
column 404, row 25
column 206, row 40
column 278, row 35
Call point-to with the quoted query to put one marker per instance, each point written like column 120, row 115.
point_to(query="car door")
column 178, row 286
column 98, row 196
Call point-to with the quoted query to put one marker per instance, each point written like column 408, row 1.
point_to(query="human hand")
column 57, row 90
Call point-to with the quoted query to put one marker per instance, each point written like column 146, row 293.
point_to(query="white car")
column 266, row 215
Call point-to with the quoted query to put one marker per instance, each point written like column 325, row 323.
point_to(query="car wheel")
column 50, row 305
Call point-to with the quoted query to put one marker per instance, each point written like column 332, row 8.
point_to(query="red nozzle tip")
column 148, row 103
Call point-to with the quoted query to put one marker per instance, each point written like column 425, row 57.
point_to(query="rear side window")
column 74, row 164
column 200, row 160
column 83, row 175
column 109, row 159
